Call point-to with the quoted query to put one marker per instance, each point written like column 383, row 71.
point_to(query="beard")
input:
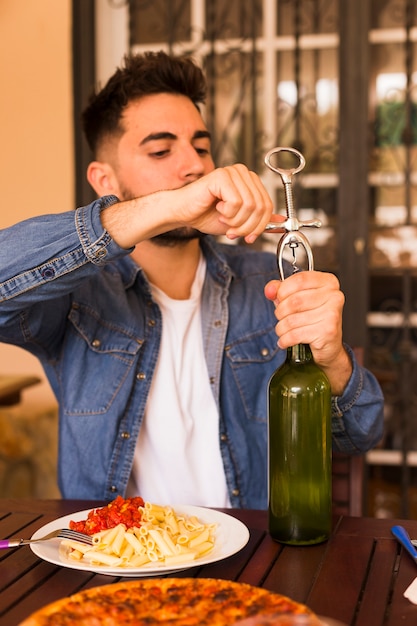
column 175, row 237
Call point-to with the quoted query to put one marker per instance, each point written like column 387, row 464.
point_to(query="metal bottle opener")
column 293, row 237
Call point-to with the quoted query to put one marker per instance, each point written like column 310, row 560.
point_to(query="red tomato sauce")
column 120, row 511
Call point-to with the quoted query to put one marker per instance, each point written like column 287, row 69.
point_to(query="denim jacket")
column 77, row 301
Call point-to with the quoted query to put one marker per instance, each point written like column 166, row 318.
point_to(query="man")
column 158, row 341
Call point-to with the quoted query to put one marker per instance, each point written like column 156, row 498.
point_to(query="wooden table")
column 358, row 576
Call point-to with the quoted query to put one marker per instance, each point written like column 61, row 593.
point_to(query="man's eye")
column 202, row 151
column 159, row 154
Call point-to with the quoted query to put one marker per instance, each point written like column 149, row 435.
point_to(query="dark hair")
column 141, row 75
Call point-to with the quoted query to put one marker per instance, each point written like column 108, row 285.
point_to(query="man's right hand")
column 229, row 201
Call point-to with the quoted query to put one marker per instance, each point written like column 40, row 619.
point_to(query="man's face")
column 165, row 145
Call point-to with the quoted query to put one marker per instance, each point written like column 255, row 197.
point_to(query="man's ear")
column 102, row 179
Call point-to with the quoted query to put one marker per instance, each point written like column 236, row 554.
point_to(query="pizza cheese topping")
column 170, row 602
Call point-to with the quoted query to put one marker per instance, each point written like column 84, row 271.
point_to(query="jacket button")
column 235, row 492
column 113, row 488
column 223, row 437
column 96, row 343
column 264, row 351
column 141, row 376
column 151, row 323
column 125, row 435
column 47, row 272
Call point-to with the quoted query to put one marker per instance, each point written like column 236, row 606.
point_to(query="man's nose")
column 191, row 163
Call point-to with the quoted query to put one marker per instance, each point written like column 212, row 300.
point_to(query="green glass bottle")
column 300, row 487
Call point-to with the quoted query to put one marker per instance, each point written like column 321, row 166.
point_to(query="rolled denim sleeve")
column 37, row 252
column 357, row 415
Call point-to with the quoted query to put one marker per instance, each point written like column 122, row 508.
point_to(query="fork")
column 62, row 533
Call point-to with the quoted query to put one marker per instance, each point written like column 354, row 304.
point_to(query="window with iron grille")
column 337, row 80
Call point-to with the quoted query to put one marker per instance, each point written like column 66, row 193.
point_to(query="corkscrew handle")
column 293, row 237
column 286, row 177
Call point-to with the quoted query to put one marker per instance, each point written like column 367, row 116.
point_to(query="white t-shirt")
column 177, row 457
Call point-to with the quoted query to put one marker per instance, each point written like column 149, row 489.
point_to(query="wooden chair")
column 348, row 490
column 348, row 475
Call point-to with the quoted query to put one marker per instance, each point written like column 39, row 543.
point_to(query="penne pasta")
column 127, row 551
column 162, row 541
column 116, row 545
column 138, row 560
column 204, row 548
column 152, row 555
column 180, row 558
column 171, row 523
column 163, row 537
column 101, row 558
column 75, row 545
column 201, row 537
column 137, row 546
column 105, row 537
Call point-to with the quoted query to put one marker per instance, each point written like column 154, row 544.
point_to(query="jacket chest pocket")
column 252, row 361
column 99, row 355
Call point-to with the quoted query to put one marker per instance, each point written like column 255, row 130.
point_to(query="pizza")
column 171, row 602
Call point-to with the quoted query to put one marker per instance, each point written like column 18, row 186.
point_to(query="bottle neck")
column 300, row 353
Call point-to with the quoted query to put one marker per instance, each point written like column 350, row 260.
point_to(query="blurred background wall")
column 36, row 153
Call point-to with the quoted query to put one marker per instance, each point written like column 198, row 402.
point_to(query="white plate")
column 231, row 536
